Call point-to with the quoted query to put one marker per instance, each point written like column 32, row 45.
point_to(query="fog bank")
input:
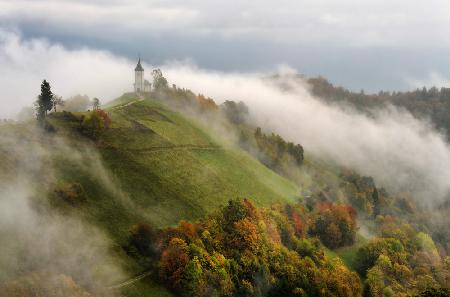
column 35, row 236
column 398, row 150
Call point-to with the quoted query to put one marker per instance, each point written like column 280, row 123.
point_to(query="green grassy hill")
column 157, row 166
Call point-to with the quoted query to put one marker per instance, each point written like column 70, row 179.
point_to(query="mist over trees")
column 159, row 81
column 426, row 102
column 77, row 103
column 57, row 101
column 96, row 103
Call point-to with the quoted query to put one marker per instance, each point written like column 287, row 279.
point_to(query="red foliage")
column 173, row 261
column 104, row 115
column 298, row 223
column 189, row 229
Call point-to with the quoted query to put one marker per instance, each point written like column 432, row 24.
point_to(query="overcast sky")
column 360, row 44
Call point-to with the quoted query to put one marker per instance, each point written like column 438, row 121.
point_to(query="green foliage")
column 72, row 193
column 159, row 81
column 369, row 253
column 45, row 101
column 434, row 292
column 404, row 269
column 273, row 151
column 236, row 113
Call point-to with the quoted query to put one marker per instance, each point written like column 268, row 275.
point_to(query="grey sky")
column 368, row 44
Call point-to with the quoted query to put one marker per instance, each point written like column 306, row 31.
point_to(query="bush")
column 72, row 193
column 95, row 123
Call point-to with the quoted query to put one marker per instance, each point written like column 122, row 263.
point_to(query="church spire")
column 139, row 66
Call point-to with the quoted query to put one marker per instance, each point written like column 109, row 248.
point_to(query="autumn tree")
column 173, row 261
column 334, row 224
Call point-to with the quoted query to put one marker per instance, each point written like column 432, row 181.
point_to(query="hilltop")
column 172, row 168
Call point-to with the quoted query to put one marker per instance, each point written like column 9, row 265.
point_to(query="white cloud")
column 25, row 64
column 347, row 22
column 397, row 149
column 434, row 78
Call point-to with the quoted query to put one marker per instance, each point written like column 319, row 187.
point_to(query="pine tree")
column 44, row 102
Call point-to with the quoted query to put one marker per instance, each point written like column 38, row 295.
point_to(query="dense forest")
column 243, row 250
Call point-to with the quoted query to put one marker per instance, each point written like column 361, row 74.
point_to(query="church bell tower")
column 139, row 77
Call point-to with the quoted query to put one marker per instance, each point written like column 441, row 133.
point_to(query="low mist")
column 401, row 152
column 37, row 238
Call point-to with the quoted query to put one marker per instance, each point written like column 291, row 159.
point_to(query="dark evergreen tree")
column 45, row 101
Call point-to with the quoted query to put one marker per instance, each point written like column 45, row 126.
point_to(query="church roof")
column 139, row 66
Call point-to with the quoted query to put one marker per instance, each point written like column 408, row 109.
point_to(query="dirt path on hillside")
column 130, row 281
column 178, row 147
column 126, row 104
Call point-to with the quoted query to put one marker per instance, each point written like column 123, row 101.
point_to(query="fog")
column 35, row 236
column 398, row 150
column 25, row 63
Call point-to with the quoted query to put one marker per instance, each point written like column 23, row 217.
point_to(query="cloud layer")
column 357, row 23
column 397, row 149
column 24, row 64
column 400, row 151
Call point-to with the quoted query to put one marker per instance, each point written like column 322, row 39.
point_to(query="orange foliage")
column 206, row 103
column 104, row 115
column 245, row 235
column 298, row 223
column 188, row 228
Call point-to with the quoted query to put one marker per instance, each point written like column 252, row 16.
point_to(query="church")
column 141, row 85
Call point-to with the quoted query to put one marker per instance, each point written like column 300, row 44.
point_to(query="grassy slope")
column 173, row 170
column 162, row 168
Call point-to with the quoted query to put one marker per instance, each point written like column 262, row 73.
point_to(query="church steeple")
column 139, row 66
column 139, row 77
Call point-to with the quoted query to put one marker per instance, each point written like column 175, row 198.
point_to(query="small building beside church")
column 141, row 85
